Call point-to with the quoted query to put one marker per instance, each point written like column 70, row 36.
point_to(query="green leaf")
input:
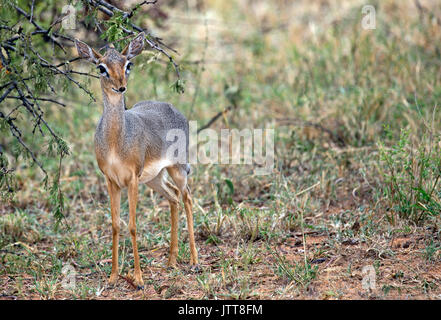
column 230, row 186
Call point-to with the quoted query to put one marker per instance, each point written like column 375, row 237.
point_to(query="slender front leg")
column 115, row 201
column 188, row 205
column 133, row 199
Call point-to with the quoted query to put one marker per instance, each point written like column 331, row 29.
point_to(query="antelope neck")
column 113, row 116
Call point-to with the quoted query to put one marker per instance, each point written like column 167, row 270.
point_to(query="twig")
column 5, row 94
column 129, row 281
column 153, row 42
column 41, row 99
column 32, row 10
column 213, row 120
column 17, row 135
column 18, row 85
column 41, row 29
column 129, row 15
column 307, row 189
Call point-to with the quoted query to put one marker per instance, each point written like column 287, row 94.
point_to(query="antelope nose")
column 122, row 89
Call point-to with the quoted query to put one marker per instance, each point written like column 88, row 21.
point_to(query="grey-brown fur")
column 144, row 128
column 132, row 147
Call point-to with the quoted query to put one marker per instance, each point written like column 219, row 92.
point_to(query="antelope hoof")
column 113, row 279
column 171, row 263
column 139, row 283
column 193, row 261
column 195, row 268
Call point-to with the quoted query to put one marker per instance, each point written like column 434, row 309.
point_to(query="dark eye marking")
column 103, row 70
column 129, row 67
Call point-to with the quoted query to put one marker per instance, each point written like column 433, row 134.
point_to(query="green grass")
column 357, row 154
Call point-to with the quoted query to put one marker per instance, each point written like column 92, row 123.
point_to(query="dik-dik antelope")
column 131, row 148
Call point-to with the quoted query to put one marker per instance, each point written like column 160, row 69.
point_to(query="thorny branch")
column 154, row 42
column 18, row 85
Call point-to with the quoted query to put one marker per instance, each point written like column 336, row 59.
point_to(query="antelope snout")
column 120, row 90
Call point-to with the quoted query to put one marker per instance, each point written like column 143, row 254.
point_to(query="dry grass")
column 328, row 87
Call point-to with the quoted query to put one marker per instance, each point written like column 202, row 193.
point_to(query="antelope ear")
column 86, row 52
column 134, row 47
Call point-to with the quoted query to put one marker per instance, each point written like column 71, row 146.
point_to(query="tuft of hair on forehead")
column 113, row 54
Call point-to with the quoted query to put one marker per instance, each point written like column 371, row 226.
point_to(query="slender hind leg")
column 171, row 193
column 179, row 176
column 188, row 204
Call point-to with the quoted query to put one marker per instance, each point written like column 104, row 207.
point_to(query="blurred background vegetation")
column 357, row 146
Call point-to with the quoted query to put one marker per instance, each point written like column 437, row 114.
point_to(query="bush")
column 411, row 174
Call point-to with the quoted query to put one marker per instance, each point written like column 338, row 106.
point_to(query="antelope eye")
column 102, row 70
column 129, row 67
